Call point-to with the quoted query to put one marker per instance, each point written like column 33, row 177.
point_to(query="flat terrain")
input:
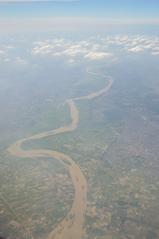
column 83, row 163
column 72, row 225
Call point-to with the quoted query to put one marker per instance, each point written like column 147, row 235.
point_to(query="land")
column 72, row 225
column 114, row 152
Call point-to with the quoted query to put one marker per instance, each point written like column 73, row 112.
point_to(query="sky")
column 73, row 13
column 87, row 8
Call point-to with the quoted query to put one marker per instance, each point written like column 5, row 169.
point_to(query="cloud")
column 98, row 55
column 2, row 53
column 97, row 48
column 79, row 50
column 134, row 44
column 155, row 53
column 136, row 49
column 7, row 55
column 106, row 49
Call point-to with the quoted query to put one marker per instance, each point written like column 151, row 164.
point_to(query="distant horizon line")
column 86, row 20
column 69, row 24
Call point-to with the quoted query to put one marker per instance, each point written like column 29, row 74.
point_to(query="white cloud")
column 155, row 53
column 97, row 48
column 72, row 50
column 2, row 53
column 98, row 55
column 135, row 44
column 136, row 49
column 107, row 49
column 7, row 55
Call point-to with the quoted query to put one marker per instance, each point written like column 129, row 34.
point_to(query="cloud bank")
column 78, row 50
column 95, row 49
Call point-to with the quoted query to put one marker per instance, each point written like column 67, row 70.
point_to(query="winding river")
column 71, row 227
